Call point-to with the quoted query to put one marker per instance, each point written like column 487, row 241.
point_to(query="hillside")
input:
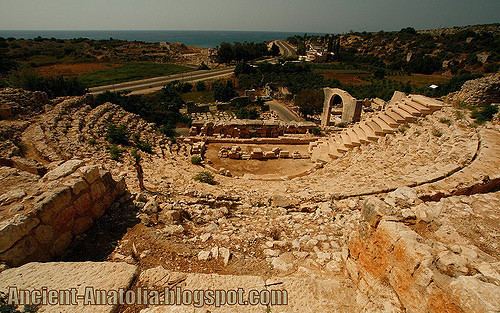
column 448, row 50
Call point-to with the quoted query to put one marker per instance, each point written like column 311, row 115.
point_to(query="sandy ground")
column 279, row 167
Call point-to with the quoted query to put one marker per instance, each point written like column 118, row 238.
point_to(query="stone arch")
column 335, row 97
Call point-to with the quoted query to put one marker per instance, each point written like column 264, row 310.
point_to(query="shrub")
column 201, row 86
column 445, row 121
column 275, row 233
column 436, row 132
column 250, row 114
column 459, row 115
column 196, row 159
column 115, row 152
column 316, row 131
column 144, row 146
column 205, row 177
column 117, row 134
column 403, row 128
column 485, row 113
column 54, row 86
column 203, row 67
column 310, row 101
column 92, row 141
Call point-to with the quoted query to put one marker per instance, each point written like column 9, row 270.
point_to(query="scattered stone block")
column 66, row 275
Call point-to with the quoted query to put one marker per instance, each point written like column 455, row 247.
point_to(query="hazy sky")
column 273, row 15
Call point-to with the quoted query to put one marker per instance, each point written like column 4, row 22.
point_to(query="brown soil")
column 277, row 167
column 73, row 69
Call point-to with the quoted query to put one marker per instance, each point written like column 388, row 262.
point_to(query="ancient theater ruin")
column 389, row 207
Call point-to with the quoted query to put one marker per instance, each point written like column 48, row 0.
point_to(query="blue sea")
column 205, row 39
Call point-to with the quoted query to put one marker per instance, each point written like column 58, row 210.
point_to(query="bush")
column 144, row 146
column 115, row 152
column 205, row 177
column 201, row 86
column 117, row 134
column 250, row 114
column 436, row 132
column 485, row 113
column 196, row 159
column 310, row 101
column 316, row 131
column 203, row 67
column 379, row 73
column 53, row 86
column 445, row 121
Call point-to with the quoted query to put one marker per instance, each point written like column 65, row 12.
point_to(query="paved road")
column 286, row 49
column 150, row 85
column 284, row 113
column 158, row 82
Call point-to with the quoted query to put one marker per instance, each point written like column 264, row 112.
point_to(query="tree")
column 310, row 101
column 408, row 30
column 275, row 50
column 225, row 53
column 301, row 48
column 54, row 86
column 379, row 73
column 223, row 92
column 200, row 86
column 5, row 63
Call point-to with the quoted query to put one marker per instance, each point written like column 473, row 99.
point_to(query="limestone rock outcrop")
column 426, row 258
column 481, row 91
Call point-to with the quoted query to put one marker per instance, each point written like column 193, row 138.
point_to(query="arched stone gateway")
column 338, row 98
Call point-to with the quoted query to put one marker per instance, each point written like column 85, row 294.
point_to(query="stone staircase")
column 408, row 110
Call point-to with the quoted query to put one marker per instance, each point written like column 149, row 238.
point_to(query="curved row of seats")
column 370, row 130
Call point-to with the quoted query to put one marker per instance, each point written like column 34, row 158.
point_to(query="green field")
column 131, row 71
column 199, row 96
column 420, row 80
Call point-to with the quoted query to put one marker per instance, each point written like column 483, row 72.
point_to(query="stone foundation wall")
column 250, row 129
column 395, row 265
column 64, row 204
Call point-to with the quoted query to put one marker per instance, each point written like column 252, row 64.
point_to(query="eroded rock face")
column 431, row 262
column 40, row 218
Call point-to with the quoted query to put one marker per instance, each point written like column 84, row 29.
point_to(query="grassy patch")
column 198, row 96
column 485, row 113
column 131, row 71
column 420, row 80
